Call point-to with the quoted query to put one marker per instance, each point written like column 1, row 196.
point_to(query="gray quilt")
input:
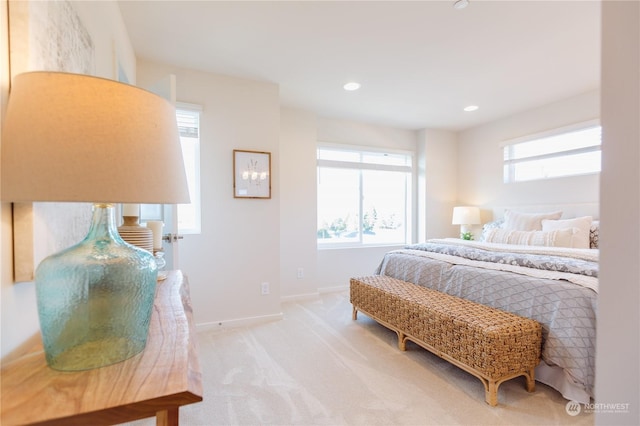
column 566, row 311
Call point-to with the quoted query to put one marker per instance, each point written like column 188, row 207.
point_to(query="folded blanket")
column 574, row 265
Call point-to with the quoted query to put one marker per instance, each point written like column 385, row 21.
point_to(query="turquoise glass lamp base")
column 95, row 299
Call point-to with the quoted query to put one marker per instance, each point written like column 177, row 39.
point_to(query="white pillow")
column 582, row 224
column 557, row 238
column 516, row 221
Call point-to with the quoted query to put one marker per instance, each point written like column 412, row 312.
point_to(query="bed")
column 530, row 273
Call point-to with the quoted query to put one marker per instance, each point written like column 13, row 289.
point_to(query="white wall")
column 438, row 171
column 239, row 247
column 246, row 242
column 298, row 136
column 348, row 132
column 18, row 307
column 110, row 38
column 480, row 157
column 617, row 351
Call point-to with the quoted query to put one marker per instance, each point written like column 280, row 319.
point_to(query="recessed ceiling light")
column 460, row 4
column 352, row 86
column 471, row 108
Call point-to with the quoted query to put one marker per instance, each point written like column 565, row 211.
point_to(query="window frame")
column 509, row 162
column 410, row 169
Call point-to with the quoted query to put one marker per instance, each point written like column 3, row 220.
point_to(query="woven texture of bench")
column 491, row 344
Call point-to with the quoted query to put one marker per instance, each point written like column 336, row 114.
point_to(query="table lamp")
column 78, row 138
column 466, row 216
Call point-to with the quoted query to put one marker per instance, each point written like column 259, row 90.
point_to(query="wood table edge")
column 164, row 407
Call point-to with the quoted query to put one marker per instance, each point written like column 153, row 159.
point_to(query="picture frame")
column 47, row 36
column 251, row 174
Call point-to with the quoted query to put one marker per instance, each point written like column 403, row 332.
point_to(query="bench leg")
column 491, row 386
column 531, row 382
column 402, row 341
column 354, row 313
column 491, row 393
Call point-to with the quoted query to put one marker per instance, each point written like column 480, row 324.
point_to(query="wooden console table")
column 156, row 382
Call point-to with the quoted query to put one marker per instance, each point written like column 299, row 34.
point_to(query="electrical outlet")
column 300, row 273
column 265, row 288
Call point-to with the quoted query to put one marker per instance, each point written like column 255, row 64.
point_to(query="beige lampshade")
column 465, row 215
column 71, row 137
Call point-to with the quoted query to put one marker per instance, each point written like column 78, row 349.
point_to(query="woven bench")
column 491, row 344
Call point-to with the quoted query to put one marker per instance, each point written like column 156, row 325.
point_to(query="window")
column 188, row 117
column 189, row 130
column 364, row 197
column 563, row 152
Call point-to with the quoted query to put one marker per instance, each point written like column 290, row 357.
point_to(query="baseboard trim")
column 239, row 322
column 248, row 321
column 324, row 290
column 299, row 297
column 307, row 296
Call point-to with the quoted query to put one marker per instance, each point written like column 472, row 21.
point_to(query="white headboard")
column 569, row 210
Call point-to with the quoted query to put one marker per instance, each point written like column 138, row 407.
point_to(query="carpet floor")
column 317, row 366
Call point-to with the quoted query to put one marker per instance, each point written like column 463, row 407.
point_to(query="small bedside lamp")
column 465, row 216
column 77, row 138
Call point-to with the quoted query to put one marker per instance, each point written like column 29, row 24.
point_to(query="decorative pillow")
column 594, row 234
column 556, row 238
column 489, row 226
column 516, row 221
column 582, row 224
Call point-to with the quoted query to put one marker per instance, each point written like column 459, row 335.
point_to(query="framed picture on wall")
column 47, row 36
column 251, row 174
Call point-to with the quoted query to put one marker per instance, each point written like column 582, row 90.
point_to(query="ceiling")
column 419, row 62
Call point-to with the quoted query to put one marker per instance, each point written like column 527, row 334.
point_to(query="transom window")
column 569, row 151
column 364, row 196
